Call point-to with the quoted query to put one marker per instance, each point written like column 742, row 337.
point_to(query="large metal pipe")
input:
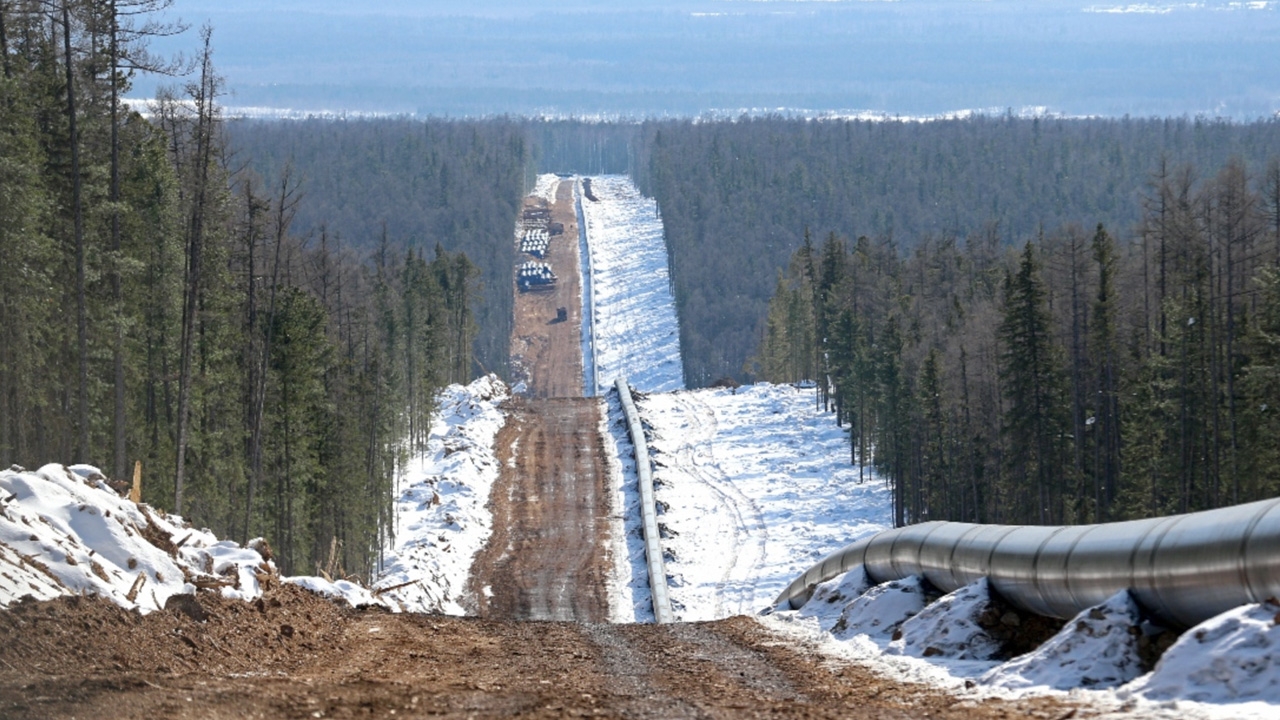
column 1183, row 569
column 658, row 590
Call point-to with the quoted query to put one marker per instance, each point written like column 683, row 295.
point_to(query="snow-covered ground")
column 1226, row 668
column 546, row 186
column 442, row 518
column 64, row 531
column 753, row 486
column 634, row 315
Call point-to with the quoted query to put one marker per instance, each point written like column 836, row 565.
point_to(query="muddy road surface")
column 546, row 352
column 295, row 655
column 548, row 557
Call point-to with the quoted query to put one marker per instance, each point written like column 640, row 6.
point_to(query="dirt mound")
column 204, row 632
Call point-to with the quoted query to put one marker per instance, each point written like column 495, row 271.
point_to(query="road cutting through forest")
column 539, row 644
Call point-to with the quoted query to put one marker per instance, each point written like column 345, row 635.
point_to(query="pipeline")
column 591, row 371
column 649, row 512
column 1182, row 569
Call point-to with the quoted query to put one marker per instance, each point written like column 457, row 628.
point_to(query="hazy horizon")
column 693, row 57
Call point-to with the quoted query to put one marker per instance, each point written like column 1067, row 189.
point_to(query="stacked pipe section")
column 1183, row 569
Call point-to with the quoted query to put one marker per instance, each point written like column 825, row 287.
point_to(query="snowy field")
column 753, row 487
column 634, row 320
column 545, row 187
column 442, row 518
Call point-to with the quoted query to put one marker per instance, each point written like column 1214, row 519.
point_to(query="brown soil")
column 548, row 557
column 545, row 354
column 87, row 658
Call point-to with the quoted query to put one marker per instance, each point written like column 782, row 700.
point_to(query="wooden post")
column 135, row 493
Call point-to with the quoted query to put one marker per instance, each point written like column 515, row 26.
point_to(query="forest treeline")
column 456, row 183
column 158, row 303
column 735, row 197
column 1082, row 376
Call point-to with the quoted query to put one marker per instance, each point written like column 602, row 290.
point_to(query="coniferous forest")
column 1085, row 375
column 1021, row 320
column 161, row 303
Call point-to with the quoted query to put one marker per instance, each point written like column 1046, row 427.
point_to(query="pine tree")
column 1031, row 375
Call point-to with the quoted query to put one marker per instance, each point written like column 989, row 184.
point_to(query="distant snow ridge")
column 441, row 516
column 636, row 333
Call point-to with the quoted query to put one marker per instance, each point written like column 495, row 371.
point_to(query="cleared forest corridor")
column 547, row 558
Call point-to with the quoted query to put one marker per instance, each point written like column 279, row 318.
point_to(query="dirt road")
column 296, row 656
column 545, row 352
column 548, row 556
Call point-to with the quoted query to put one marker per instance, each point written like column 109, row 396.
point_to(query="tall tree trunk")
column 195, row 247
column 82, row 315
column 117, row 294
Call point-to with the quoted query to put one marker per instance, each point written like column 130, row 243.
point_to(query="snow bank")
column 64, row 531
column 636, row 333
column 1225, row 668
column 881, row 611
column 1232, row 658
column 629, row 597
column 830, row 598
column 753, row 486
column 950, row 627
column 1096, row 648
column 441, row 516
column 345, row 590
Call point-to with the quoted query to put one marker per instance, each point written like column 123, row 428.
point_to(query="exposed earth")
column 294, row 655
column 548, row 556
column 546, row 352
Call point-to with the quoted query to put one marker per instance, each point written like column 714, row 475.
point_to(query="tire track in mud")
column 548, row 556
